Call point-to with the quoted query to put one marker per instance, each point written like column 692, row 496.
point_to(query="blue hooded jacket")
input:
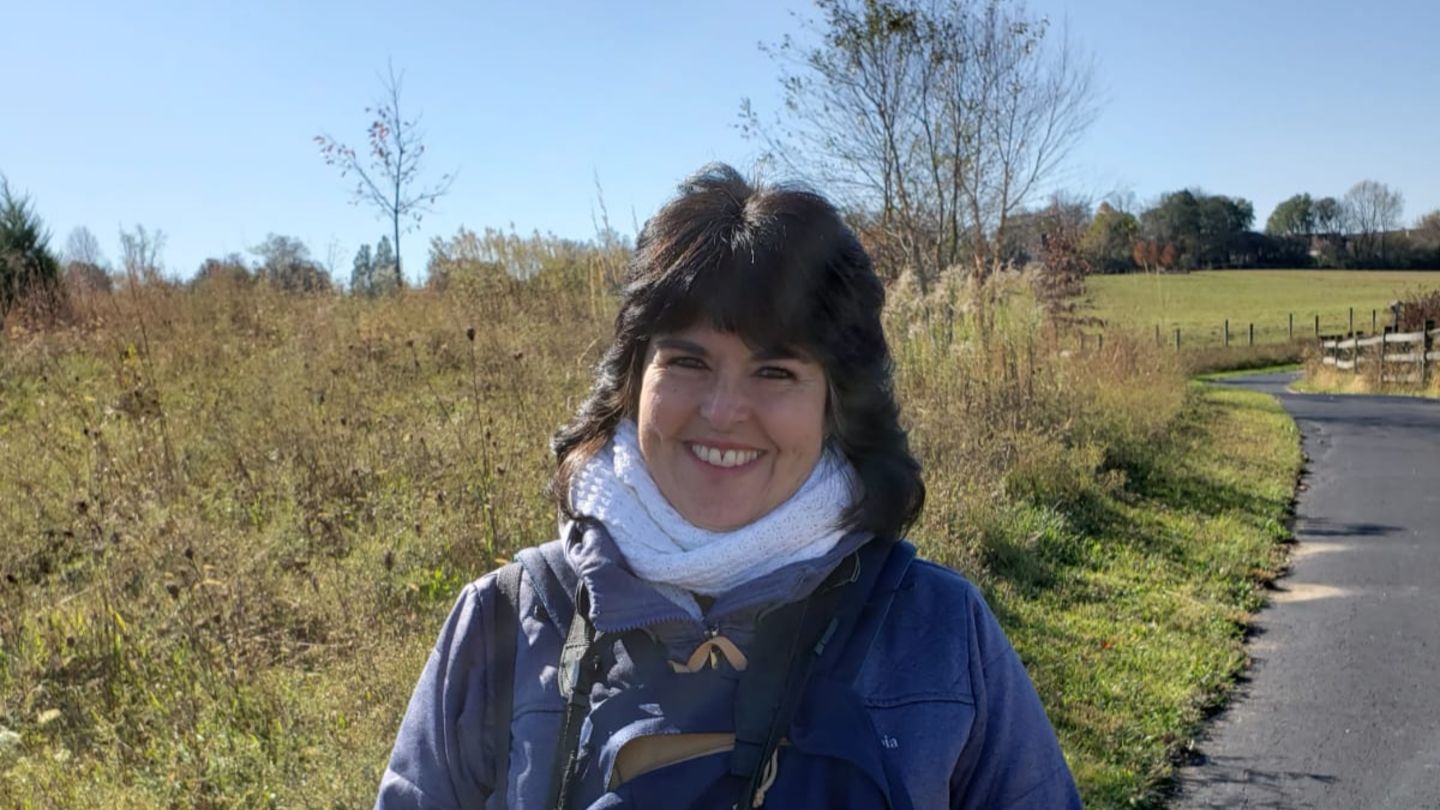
column 941, row 703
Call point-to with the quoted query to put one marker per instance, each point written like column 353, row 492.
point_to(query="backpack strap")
column 553, row 580
column 504, row 626
column 577, row 677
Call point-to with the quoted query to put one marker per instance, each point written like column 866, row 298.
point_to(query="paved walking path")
column 1341, row 708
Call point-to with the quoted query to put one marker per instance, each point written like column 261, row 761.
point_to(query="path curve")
column 1341, row 706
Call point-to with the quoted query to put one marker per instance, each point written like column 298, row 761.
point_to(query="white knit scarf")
column 664, row 548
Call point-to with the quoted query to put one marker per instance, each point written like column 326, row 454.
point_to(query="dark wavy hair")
column 778, row 267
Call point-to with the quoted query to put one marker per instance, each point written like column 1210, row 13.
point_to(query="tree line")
column 1189, row 229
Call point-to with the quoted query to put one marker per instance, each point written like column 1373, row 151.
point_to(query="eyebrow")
column 691, row 347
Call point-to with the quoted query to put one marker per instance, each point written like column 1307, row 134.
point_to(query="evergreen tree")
column 362, row 275
column 386, row 272
column 26, row 263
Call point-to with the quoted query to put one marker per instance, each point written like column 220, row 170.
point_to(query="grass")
column 1227, row 375
column 1322, row 379
column 1199, row 303
column 1131, row 613
column 235, row 520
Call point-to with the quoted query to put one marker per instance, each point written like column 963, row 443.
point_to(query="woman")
column 729, row 618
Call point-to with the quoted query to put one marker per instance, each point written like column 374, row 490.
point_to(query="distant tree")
column 140, row 252
column 1372, row 208
column 1224, row 222
column 82, row 246
column 28, row 270
column 1108, row 244
column 1025, row 237
column 1329, row 216
column 85, row 264
column 1205, row 230
column 232, row 269
column 83, row 276
column 285, row 263
column 362, row 273
column 385, row 276
column 1292, row 217
column 1062, row 264
column 388, row 175
column 1427, row 229
column 1175, row 218
column 1426, row 239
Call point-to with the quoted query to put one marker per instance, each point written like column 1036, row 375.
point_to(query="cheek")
column 661, row 408
column 804, row 426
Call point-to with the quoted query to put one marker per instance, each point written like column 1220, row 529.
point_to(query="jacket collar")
column 620, row 600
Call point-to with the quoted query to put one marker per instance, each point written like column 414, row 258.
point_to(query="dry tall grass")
column 233, row 519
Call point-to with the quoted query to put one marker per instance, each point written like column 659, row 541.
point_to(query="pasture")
column 1199, row 303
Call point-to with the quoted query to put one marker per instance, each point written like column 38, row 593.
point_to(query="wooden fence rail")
column 1400, row 357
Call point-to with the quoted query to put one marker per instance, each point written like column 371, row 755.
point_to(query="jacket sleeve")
column 439, row 761
column 1013, row 759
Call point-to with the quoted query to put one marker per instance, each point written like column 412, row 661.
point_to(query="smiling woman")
column 730, row 618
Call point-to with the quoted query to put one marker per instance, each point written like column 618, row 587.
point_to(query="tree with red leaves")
column 387, row 175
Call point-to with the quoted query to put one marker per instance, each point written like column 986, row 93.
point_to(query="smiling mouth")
column 716, row 457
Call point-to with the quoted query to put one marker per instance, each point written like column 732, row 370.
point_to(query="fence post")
column 1352, row 321
column 1227, row 333
column 1425, row 345
column 1292, row 326
column 1157, row 334
column 1374, row 321
column 1380, row 361
column 1101, row 346
column 1252, row 334
column 1317, row 326
column 1177, row 338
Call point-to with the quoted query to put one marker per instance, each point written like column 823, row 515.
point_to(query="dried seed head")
column 470, row 333
column 389, row 560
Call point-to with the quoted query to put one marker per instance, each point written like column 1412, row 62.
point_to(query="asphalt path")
column 1341, row 706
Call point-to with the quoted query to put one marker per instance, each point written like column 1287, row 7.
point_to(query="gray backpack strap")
column 504, row 628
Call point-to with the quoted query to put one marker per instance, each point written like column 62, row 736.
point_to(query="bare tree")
column 140, row 252
column 388, row 174
column 81, row 247
column 935, row 120
column 1372, row 208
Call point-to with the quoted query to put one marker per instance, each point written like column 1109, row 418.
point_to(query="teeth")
column 724, row 458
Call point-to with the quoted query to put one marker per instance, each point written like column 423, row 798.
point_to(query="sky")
column 198, row 118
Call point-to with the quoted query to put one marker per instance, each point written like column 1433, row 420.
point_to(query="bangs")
column 771, row 294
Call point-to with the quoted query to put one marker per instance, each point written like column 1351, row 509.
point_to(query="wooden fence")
column 1400, row 357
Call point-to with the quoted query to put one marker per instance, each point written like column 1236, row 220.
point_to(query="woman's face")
column 728, row 433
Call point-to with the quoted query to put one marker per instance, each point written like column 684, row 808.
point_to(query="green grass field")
column 1199, row 303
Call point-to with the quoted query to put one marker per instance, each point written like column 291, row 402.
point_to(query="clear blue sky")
column 198, row 118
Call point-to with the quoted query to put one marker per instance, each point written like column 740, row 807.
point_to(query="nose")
column 725, row 404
